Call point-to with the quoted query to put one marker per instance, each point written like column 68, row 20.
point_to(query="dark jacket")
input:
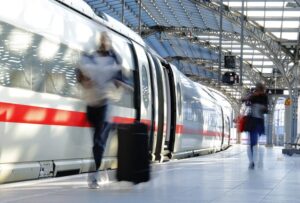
column 259, row 106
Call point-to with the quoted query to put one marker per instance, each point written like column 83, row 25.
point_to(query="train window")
column 18, row 79
column 30, row 61
column 55, row 83
column 60, row 73
column 14, row 67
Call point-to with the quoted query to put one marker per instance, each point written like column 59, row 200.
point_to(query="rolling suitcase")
column 133, row 154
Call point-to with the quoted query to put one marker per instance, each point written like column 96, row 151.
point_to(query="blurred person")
column 100, row 74
column 258, row 103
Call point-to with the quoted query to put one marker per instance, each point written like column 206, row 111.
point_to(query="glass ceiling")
column 281, row 18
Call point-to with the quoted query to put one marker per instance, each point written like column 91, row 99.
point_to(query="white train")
column 43, row 130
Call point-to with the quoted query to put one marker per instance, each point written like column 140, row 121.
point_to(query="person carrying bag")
column 254, row 122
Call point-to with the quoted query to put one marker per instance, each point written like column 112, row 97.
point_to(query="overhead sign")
column 229, row 62
column 275, row 91
column 230, row 78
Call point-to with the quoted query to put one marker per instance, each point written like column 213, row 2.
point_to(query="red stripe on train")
column 122, row 120
column 180, row 129
column 20, row 113
column 125, row 120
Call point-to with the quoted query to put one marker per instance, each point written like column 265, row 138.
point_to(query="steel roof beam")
column 256, row 59
column 269, row 8
column 257, row 37
column 196, row 61
column 253, row 1
column 273, row 18
column 284, row 29
column 289, row 43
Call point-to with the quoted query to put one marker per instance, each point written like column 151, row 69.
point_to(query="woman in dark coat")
column 258, row 101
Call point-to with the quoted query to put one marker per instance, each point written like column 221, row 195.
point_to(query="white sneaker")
column 93, row 180
column 104, row 178
column 260, row 164
column 93, row 185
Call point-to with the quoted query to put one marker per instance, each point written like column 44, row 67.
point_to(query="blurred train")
column 43, row 130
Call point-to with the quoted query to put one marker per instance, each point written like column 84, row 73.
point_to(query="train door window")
column 145, row 82
column 125, row 50
column 145, row 85
column 179, row 99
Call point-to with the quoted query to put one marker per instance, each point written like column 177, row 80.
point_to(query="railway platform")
column 221, row 177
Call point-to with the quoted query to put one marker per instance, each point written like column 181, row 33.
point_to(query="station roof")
column 187, row 33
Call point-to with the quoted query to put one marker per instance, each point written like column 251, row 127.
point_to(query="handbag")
column 241, row 121
column 244, row 119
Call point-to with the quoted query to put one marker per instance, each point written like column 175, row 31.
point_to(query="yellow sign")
column 288, row 102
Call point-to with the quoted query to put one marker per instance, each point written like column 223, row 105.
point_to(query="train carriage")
column 43, row 129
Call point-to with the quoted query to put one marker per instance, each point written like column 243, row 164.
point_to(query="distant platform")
column 221, row 177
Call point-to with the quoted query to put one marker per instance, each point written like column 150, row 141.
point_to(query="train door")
column 223, row 129
column 227, row 128
column 155, row 107
column 164, row 114
column 144, row 95
column 170, row 109
column 161, row 110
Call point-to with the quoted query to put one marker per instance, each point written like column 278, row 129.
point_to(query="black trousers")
column 96, row 116
column 257, row 129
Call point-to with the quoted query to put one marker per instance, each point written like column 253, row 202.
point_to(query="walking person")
column 98, row 73
column 258, row 102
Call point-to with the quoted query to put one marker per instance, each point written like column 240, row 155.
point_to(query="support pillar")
column 269, row 121
column 140, row 17
column 295, row 94
column 242, row 43
column 123, row 11
column 220, row 44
